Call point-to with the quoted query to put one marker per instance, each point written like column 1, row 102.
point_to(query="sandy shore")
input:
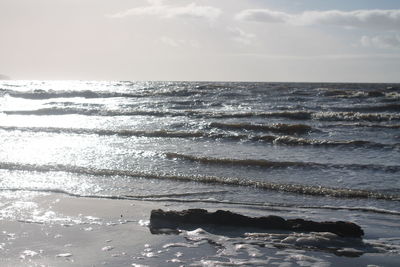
column 80, row 232
column 59, row 230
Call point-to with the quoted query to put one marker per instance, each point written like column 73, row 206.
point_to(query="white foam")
column 186, row 245
column 301, row 257
column 231, row 262
column 289, row 248
column 107, row 248
column 251, row 250
column 119, row 254
column 64, row 255
column 149, row 255
column 144, row 223
column 350, row 250
column 28, row 253
column 174, row 261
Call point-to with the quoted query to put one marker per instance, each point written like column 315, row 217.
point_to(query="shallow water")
column 320, row 151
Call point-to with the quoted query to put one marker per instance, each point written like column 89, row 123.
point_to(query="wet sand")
column 113, row 234
column 79, row 231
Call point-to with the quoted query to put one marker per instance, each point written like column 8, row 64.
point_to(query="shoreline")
column 73, row 231
column 79, row 232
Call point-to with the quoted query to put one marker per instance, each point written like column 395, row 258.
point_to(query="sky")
column 203, row 40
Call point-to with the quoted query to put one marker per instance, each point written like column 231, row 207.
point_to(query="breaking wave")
column 277, row 164
column 277, row 128
column 92, row 112
column 368, row 125
column 299, row 115
column 40, row 94
column 230, row 181
column 272, row 139
column 289, row 140
column 127, row 133
column 294, row 115
column 373, row 108
column 354, row 116
column 43, row 94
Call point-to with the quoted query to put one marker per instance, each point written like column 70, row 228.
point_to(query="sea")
column 317, row 151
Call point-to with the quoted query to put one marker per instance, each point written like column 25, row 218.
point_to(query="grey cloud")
column 4, row 77
column 263, row 15
column 381, row 41
column 241, row 36
column 372, row 19
column 179, row 42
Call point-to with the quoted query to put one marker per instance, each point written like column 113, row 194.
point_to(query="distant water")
column 302, row 146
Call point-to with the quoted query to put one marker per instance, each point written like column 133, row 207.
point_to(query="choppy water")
column 306, row 148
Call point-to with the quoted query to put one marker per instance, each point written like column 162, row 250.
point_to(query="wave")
column 298, row 115
column 363, row 209
column 278, row 128
column 294, row 115
column 309, row 115
column 121, row 197
column 372, row 108
column 277, row 164
column 382, row 95
column 230, row 181
column 276, row 140
column 354, row 116
column 92, row 112
column 127, row 133
column 40, row 94
column 351, row 93
column 366, row 125
column 275, row 206
column 290, row 140
column 170, row 198
column 43, row 94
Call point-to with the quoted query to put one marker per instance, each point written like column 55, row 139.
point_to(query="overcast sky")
column 214, row 40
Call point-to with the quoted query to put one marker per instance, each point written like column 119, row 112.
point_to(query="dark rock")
column 344, row 229
column 194, row 218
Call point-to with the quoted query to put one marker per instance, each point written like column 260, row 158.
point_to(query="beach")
column 201, row 133
column 83, row 164
column 79, row 232
column 105, row 232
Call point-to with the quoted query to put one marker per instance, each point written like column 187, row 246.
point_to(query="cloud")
column 263, row 15
column 170, row 42
column 382, row 56
column 382, row 19
column 4, row 77
column 381, row 41
column 158, row 9
column 241, row 36
column 179, row 43
column 370, row 19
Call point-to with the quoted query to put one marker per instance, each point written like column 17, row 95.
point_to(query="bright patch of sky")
column 345, row 5
column 244, row 40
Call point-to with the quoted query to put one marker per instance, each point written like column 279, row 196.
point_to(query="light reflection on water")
column 190, row 108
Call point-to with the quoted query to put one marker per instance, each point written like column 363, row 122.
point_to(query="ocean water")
column 308, row 150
